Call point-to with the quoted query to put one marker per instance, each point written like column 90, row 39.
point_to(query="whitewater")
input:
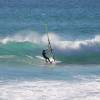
column 57, row 40
column 51, row 90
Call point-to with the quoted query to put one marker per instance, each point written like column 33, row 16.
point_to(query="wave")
column 57, row 40
column 67, row 51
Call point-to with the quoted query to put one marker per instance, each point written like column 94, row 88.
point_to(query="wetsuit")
column 44, row 55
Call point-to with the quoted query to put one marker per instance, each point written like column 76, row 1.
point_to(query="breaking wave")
column 68, row 51
column 57, row 41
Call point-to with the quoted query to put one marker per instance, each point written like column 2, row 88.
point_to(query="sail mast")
column 49, row 43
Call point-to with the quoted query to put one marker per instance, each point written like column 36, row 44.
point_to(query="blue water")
column 48, row 72
column 74, row 30
column 69, row 18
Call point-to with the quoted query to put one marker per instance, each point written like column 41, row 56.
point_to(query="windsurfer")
column 44, row 54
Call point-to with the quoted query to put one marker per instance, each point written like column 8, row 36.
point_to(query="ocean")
column 74, row 30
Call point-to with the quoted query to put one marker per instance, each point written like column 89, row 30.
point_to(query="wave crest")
column 56, row 40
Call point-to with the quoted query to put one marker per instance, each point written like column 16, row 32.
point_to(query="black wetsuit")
column 44, row 55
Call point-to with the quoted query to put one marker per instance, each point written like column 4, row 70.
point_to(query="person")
column 44, row 52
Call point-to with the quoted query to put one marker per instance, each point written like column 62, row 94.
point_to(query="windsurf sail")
column 49, row 44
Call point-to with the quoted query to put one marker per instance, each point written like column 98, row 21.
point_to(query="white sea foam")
column 23, row 36
column 62, row 43
column 56, row 40
column 50, row 90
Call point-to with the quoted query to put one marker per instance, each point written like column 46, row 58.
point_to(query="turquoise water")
column 74, row 31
